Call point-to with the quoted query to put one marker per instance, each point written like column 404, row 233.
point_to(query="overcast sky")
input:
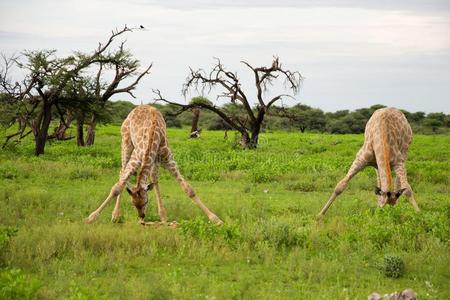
column 352, row 53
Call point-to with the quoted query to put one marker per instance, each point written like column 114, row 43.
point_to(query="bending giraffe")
column 144, row 148
column 387, row 138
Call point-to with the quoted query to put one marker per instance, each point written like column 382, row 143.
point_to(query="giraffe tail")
column 384, row 162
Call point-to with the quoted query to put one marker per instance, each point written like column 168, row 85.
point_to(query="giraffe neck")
column 149, row 159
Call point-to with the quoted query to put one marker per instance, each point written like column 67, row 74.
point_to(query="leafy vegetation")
column 271, row 245
column 305, row 118
column 393, row 266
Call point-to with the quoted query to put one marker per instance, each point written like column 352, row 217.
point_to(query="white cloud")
column 352, row 55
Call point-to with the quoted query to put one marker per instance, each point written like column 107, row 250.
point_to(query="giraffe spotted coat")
column 144, row 149
column 386, row 141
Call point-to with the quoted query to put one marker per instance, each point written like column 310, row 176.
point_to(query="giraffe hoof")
column 92, row 217
column 216, row 220
column 115, row 218
column 163, row 216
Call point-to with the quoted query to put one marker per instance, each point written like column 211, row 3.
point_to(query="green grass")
column 271, row 246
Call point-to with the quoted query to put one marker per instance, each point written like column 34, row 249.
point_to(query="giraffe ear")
column 377, row 191
column 399, row 193
column 150, row 186
column 129, row 191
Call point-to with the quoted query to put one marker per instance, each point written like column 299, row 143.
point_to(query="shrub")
column 393, row 266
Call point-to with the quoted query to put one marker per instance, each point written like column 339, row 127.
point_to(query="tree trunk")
column 41, row 130
column 60, row 131
column 245, row 139
column 302, row 129
column 195, row 118
column 256, row 128
column 254, row 137
column 90, row 137
column 80, row 133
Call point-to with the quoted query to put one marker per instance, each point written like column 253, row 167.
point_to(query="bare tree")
column 46, row 77
column 195, row 130
column 250, row 125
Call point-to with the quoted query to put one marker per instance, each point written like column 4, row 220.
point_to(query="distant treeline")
column 299, row 117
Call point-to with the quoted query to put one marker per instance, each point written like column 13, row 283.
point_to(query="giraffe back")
column 388, row 134
column 144, row 125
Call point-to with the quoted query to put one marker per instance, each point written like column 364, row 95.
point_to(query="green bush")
column 393, row 266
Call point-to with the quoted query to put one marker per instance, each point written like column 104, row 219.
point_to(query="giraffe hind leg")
column 161, row 209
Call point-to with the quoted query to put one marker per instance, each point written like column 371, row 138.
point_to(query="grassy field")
column 271, row 246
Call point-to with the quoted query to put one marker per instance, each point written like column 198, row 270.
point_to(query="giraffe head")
column 139, row 198
column 387, row 197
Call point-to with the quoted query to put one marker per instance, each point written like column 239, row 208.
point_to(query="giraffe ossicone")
column 386, row 141
column 144, row 148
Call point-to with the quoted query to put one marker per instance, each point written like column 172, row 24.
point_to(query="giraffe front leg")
column 116, row 190
column 402, row 180
column 357, row 166
column 172, row 167
column 126, row 153
column 116, row 211
column 114, row 193
column 190, row 192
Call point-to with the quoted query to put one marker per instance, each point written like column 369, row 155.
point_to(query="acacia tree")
column 249, row 126
column 46, row 77
column 124, row 67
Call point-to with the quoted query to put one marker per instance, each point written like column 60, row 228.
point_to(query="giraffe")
column 387, row 138
column 144, row 149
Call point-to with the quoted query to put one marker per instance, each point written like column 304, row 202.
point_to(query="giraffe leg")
column 127, row 150
column 114, row 193
column 171, row 165
column 358, row 164
column 115, row 190
column 155, row 178
column 400, row 172
column 161, row 209
column 116, row 211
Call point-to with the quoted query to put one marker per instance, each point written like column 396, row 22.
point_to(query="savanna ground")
column 271, row 246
